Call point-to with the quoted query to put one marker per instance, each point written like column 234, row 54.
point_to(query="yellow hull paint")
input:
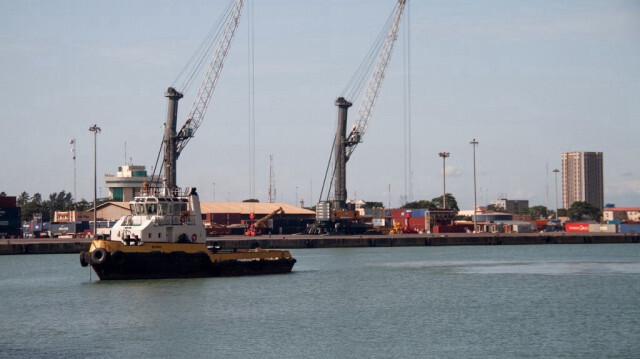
column 249, row 254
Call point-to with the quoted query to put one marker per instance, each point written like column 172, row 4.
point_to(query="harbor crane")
column 174, row 142
column 344, row 145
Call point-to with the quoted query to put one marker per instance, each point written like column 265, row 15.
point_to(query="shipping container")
column 7, row 201
column 223, row 218
column 630, row 228
column 576, row 227
column 9, row 212
column 456, row 228
column 523, row 227
column 10, row 223
column 603, row 228
column 61, row 229
column 418, row 212
column 378, row 222
column 100, row 224
column 323, row 211
column 417, row 223
column 10, row 233
column 397, row 213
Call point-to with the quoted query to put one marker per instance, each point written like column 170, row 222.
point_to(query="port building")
column 582, row 178
column 127, row 182
column 512, row 205
column 621, row 214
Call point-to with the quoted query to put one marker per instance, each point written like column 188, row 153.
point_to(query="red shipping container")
column 576, row 227
column 397, row 213
column 7, row 201
column 416, row 223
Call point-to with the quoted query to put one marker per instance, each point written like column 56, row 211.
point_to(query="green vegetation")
column 373, row 205
column 58, row 201
column 538, row 212
column 579, row 210
column 435, row 203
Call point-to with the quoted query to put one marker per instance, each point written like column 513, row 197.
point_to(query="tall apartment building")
column 582, row 178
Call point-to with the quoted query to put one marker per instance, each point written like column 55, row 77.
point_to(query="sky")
column 527, row 79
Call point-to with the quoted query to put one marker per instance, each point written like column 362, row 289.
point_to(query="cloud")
column 453, row 171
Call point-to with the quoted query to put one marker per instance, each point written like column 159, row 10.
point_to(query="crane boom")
column 199, row 107
column 174, row 142
column 374, row 84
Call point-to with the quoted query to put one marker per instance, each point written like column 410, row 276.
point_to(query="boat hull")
column 121, row 265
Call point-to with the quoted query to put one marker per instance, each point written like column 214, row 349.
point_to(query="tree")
column 537, row 212
column 495, row 208
column 33, row 206
column 373, row 205
column 449, row 199
column 419, row 205
column 3, row 194
column 578, row 210
column 23, row 198
column 83, row 205
column 252, row 200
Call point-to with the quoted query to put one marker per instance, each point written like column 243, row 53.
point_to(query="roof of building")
column 260, row 208
column 124, row 205
column 622, row 209
column 249, row 207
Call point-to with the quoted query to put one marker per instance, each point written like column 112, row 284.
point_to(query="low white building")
column 621, row 214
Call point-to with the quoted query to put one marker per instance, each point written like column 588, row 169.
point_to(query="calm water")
column 555, row 301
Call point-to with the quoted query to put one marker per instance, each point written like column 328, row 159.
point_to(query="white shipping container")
column 378, row 222
column 603, row 228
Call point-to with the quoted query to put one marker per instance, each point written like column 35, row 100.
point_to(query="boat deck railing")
column 161, row 220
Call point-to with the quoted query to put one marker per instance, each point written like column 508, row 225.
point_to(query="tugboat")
column 164, row 236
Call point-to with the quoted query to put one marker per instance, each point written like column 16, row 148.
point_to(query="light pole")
column 73, row 151
column 556, row 172
column 474, row 143
column 444, row 156
column 95, row 129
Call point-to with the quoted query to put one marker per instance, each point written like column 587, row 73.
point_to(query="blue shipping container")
column 10, row 223
column 629, row 228
column 9, row 212
column 417, row 213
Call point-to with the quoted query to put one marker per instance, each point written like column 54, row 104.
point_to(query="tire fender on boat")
column 83, row 260
column 194, row 237
column 98, row 256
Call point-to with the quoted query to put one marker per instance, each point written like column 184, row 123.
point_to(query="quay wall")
column 76, row 245
column 293, row 242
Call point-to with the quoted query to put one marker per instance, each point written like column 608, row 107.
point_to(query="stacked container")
column 9, row 218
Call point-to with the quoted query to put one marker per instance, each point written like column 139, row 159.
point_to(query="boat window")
column 133, row 209
column 151, row 208
column 163, row 209
column 139, row 209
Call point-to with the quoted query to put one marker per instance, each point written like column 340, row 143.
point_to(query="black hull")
column 158, row 265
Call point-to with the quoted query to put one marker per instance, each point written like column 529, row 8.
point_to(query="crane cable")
column 358, row 81
column 356, row 85
column 199, row 58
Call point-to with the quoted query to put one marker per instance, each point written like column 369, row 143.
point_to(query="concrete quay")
column 76, row 245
